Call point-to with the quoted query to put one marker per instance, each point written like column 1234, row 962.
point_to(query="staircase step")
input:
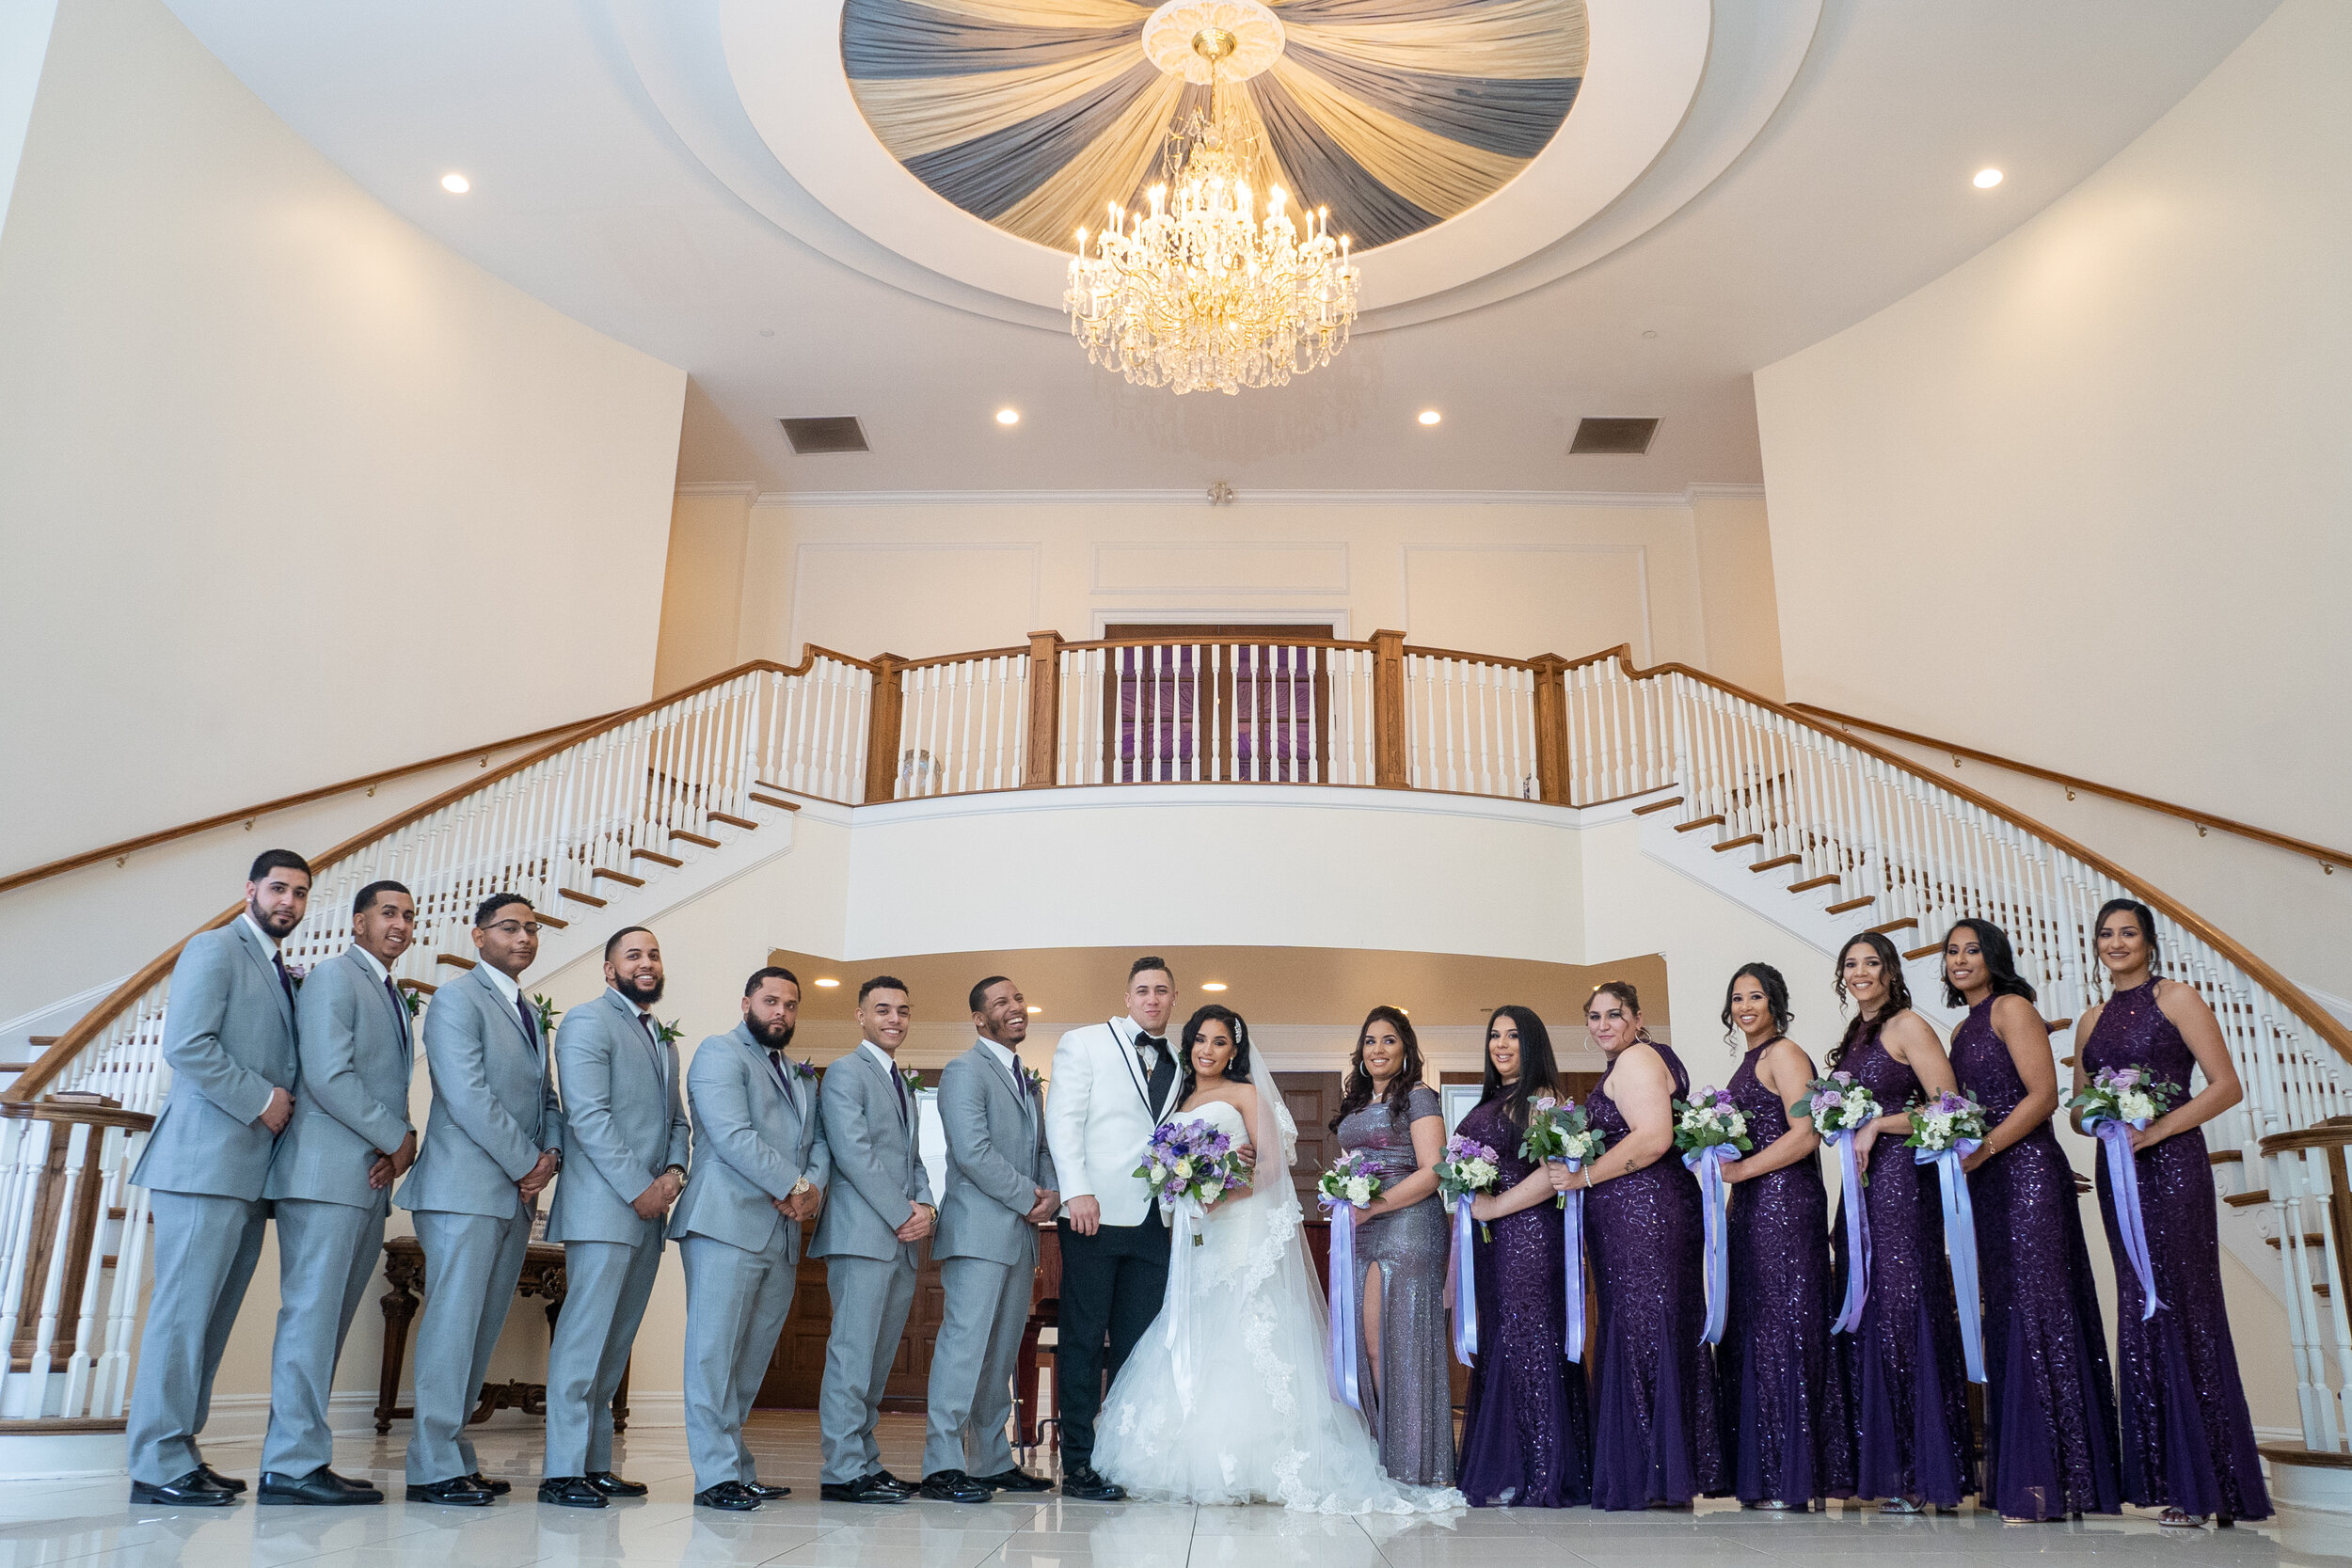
column 1736, row 843
column 16, row 1066
column 2246, row 1201
column 1776, row 861
column 1715, row 821
column 1847, row 904
column 759, row 800
column 419, row 987
column 547, row 919
column 41, row 1042
column 2225, row 1156
column 730, row 821
column 1657, row 805
column 694, row 838
column 594, row 872
column 588, row 899
column 1812, row 882
column 2310, row 1237
column 1894, row 926
column 1916, row 954
column 656, row 856
column 2058, row 1025
column 452, row 961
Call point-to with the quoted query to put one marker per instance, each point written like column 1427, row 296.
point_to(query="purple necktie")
column 285, row 981
column 531, row 1025
column 900, row 1084
column 400, row 1008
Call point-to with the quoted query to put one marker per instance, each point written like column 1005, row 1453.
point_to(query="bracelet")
column 1588, row 1178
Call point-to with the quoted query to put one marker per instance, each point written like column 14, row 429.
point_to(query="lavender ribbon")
column 1465, row 1286
column 1857, row 1235
column 1715, row 1195
column 1959, row 1245
column 1344, row 1279
column 1572, row 1257
column 2123, row 1181
column 1186, row 1215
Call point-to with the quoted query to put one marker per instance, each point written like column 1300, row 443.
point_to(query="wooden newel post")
column 1551, row 729
column 1388, row 768
column 882, row 731
column 1042, row 763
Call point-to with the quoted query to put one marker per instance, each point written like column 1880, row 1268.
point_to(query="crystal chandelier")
column 1198, row 294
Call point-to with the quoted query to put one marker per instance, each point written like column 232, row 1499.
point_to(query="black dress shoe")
column 227, row 1483
column 1088, row 1485
column 571, row 1492
column 491, row 1484
column 458, row 1492
column 351, row 1483
column 954, row 1486
column 764, row 1491
column 909, row 1487
column 321, row 1488
column 613, row 1486
column 1015, row 1480
column 866, row 1489
column 733, row 1495
column 193, row 1490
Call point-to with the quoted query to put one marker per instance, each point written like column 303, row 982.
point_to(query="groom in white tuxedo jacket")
column 1113, row 1082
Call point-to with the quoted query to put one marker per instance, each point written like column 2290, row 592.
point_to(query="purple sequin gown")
column 2188, row 1442
column 2049, row 1420
column 1780, row 1394
column 1903, row 1364
column 1654, row 1438
column 1524, row 1440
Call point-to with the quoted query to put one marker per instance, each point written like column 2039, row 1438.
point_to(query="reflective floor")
column 93, row 1524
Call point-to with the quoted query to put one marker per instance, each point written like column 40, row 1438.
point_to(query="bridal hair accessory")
column 1944, row 1131
column 1710, row 1130
column 1559, row 1130
column 2119, row 1102
column 1840, row 1106
column 1469, row 1168
column 1350, row 1184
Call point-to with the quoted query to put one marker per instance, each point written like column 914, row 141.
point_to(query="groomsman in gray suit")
column 760, row 1171
column 879, row 1212
column 228, row 1038
column 626, row 1133
column 1000, row 1189
column 493, row 1142
column 349, row 1141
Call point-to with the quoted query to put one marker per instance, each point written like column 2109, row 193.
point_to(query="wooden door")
column 1314, row 1098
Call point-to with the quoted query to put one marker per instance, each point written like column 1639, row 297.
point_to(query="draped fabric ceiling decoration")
column 1396, row 114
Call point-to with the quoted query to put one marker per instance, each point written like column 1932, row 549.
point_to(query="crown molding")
column 1744, row 492
column 1245, row 498
column 715, row 489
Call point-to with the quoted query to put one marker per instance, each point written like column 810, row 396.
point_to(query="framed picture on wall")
column 1456, row 1100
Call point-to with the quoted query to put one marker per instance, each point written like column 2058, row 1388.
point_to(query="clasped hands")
column 802, row 1206
column 389, row 1168
column 658, row 1195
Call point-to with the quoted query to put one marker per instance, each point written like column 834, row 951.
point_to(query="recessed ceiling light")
column 828, row 985
column 457, row 184
column 1009, row 416
column 1037, row 1009
column 1211, row 985
column 1429, row 416
column 1988, row 178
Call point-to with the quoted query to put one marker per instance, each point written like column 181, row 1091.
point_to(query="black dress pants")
column 1112, row 1283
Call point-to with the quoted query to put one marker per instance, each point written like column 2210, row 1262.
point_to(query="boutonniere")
column 666, row 1033
column 806, row 1068
column 413, row 1001
column 297, row 973
column 911, row 1079
column 548, row 1012
column 1035, row 1079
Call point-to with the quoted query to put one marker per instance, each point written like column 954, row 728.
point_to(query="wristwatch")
column 681, row 1173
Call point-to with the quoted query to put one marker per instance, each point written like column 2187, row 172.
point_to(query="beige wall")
column 2083, row 499
column 291, row 493
column 1680, row 578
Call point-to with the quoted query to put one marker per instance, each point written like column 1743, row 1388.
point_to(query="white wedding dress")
column 1227, row 1399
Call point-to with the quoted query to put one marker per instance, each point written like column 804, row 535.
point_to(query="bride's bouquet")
column 1470, row 1167
column 1191, row 1162
column 1351, row 1182
column 1559, row 1130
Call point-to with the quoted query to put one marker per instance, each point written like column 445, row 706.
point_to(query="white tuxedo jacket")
column 1099, row 1116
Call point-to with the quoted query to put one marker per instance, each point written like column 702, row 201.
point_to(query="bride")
column 1226, row 1400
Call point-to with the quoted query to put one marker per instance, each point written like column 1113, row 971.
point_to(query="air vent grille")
column 1613, row 437
column 832, row 433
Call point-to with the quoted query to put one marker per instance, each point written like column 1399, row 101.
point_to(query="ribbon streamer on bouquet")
column 1465, row 1286
column 1714, row 1195
column 2130, row 1223
column 1959, row 1245
column 1857, row 1204
column 1572, row 1261
column 1344, row 1278
column 1184, row 1217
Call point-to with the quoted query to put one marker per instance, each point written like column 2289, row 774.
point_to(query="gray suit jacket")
column 493, row 1105
column 624, row 1121
column 996, row 1159
column 754, row 1140
column 877, row 1165
column 351, row 1098
column 229, row 1035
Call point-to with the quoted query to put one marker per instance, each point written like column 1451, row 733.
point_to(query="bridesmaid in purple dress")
column 2189, row 1442
column 1780, row 1395
column 1654, row 1439
column 1904, row 1364
column 1524, row 1436
column 2049, row 1420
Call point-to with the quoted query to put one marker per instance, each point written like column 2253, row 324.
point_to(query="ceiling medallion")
column 1198, row 294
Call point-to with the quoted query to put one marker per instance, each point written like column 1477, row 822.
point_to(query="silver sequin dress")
column 1412, row 1412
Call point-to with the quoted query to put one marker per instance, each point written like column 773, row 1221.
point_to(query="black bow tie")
column 1153, row 1040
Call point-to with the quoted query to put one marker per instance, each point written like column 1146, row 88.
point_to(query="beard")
column 276, row 925
column 644, row 991
column 771, row 1037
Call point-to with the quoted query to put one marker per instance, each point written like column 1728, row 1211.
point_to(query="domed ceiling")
column 1395, row 115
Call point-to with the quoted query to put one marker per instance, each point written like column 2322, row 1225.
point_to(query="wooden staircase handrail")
column 2318, row 1019
column 53, row 1061
column 1221, row 640
column 2200, row 819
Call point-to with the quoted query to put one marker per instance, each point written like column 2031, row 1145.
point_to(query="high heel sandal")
column 1903, row 1506
column 2172, row 1519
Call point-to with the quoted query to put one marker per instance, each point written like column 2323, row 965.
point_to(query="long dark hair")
column 1861, row 1031
column 1999, row 961
column 1538, row 1074
column 1236, row 1070
column 1775, row 996
column 1399, row 1098
column 2140, row 911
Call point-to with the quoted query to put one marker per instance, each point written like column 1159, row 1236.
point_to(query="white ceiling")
column 1857, row 191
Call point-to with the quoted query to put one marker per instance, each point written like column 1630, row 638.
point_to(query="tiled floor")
column 90, row 1525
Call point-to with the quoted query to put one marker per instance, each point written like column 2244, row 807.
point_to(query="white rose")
column 1184, row 1170
column 2135, row 1106
column 1360, row 1190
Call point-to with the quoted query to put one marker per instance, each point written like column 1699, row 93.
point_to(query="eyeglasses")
column 514, row 928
